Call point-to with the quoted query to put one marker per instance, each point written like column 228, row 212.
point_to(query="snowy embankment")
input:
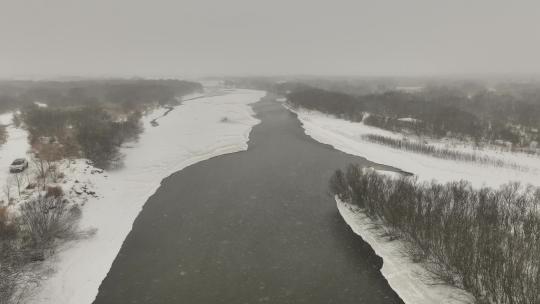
column 406, row 278
column 347, row 136
column 192, row 132
column 410, row 280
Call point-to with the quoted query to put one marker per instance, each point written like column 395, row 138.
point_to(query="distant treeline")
column 127, row 93
column 88, row 131
column 90, row 118
column 485, row 240
column 484, row 116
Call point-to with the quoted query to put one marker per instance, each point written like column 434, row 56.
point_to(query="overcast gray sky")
column 162, row 37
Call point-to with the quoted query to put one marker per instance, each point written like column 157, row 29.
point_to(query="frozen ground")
column 192, row 132
column 347, row 137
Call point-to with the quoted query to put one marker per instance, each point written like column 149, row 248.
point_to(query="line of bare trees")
column 419, row 147
column 485, row 240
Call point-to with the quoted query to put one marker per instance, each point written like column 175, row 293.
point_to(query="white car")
column 18, row 165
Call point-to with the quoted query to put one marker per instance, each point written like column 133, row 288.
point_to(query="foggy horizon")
column 163, row 38
column 277, row 151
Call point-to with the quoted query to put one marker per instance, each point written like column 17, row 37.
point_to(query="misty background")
column 195, row 38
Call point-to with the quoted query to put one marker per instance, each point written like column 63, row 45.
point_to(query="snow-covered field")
column 347, row 137
column 408, row 279
column 192, row 132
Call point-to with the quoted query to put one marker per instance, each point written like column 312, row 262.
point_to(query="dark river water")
column 250, row 227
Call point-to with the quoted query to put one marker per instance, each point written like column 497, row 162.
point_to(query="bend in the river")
column 250, row 227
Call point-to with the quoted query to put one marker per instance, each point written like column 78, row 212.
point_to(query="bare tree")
column 40, row 166
column 19, row 179
column 48, row 218
column 7, row 189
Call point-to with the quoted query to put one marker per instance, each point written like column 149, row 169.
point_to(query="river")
column 250, row 227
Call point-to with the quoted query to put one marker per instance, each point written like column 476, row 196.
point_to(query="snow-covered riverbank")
column 194, row 131
column 410, row 280
column 347, row 136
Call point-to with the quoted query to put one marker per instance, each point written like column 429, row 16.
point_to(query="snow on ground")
column 192, row 96
column 41, row 104
column 409, row 119
column 192, row 132
column 156, row 115
column 16, row 146
column 347, row 137
column 6, row 118
column 406, row 278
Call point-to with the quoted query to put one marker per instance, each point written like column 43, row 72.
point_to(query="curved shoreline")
column 345, row 136
column 408, row 279
column 79, row 267
column 217, row 231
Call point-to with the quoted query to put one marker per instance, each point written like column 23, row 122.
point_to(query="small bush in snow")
column 11, row 257
column 48, row 218
column 7, row 229
column 54, row 191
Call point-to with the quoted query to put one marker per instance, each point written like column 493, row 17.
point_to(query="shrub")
column 10, row 257
column 485, row 241
column 30, row 238
column 48, row 218
column 54, row 191
column 7, row 229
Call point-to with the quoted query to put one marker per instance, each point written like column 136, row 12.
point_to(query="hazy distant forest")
column 507, row 113
column 90, row 118
column 121, row 92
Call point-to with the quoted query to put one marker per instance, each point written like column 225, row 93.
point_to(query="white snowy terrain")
column 347, row 137
column 192, row 132
column 16, row 146
column 410, row 280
